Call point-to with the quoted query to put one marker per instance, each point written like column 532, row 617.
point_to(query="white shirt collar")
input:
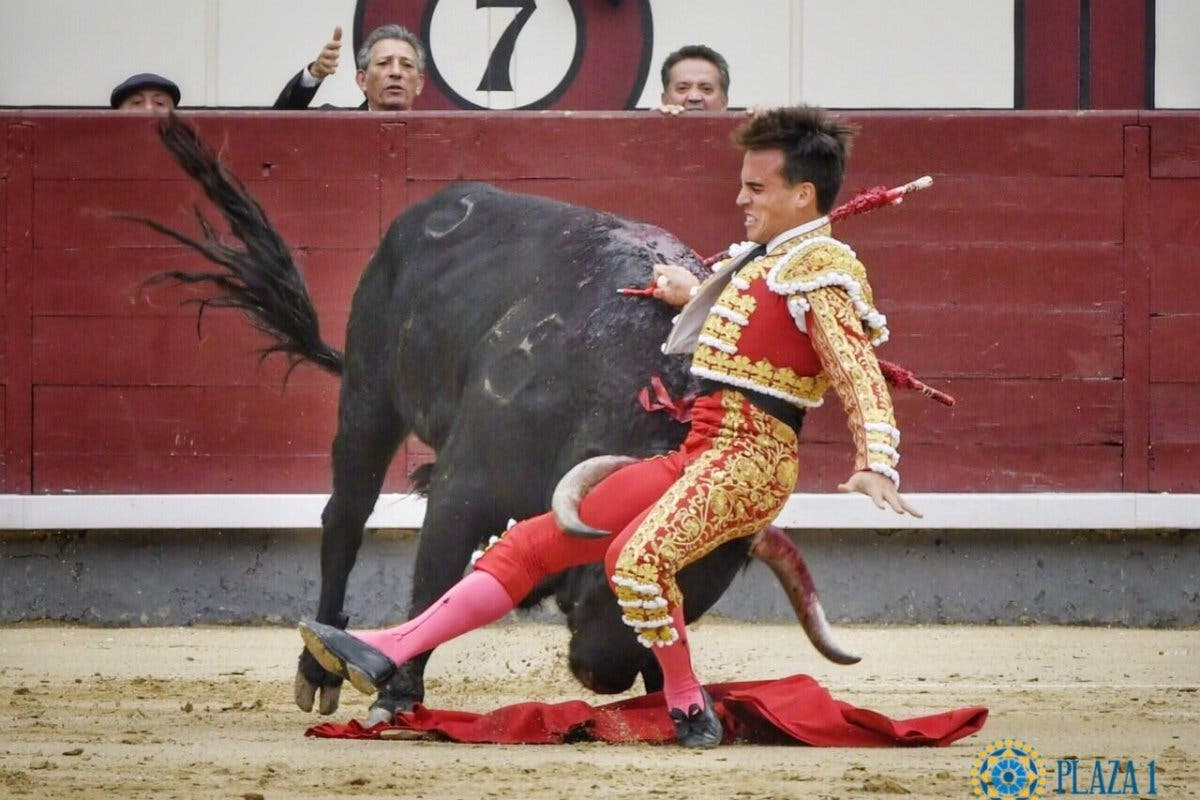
column 799, row 230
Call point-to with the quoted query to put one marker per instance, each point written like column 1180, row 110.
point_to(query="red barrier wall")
column 1045, row 281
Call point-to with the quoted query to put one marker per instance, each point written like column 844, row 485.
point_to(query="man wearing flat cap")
column 145, row 92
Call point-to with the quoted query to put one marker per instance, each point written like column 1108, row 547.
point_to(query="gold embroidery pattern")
column 849, row 361
column 716, row 355
column 726, row 331
column 821, row 258
column 756, row 269
column 723, row 330
column 826, row 264
column 730, row 490
column 761, row 376
column 743, row 304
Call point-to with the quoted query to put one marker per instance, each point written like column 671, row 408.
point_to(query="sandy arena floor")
column 207, row 713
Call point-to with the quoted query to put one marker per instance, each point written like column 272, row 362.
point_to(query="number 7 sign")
column 524, row 54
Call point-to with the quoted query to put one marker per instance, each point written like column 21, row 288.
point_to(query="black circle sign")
column 523, row 54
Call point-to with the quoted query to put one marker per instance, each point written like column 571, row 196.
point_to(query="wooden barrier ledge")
column 1048, row 511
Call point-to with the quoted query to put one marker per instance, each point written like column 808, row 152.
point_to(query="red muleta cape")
column 793, row 710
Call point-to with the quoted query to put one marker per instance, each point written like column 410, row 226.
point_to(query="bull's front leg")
column 453, row 528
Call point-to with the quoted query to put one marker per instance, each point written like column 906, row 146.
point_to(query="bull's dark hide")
column 489, row 324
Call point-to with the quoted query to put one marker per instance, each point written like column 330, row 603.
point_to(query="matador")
column 788, row 315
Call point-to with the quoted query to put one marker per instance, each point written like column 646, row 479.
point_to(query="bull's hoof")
column 342, row 654
column 305, row 693
column 379, row 714
column 699, row 727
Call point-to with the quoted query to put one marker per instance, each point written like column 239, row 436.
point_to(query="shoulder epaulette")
column 821, row 262
column 814, row 263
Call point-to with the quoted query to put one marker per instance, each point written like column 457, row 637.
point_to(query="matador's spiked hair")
column 815, row 145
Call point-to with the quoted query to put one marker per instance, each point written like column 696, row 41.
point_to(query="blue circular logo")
column 1008, row 769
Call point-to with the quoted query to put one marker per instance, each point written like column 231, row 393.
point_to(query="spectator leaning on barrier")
column 694, row 78
column 145, row 92
column 391, row 71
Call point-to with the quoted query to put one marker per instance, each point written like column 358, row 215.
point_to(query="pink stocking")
column 680, row 686
column 471, row 603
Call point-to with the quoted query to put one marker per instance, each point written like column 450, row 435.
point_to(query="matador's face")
column 771, row 204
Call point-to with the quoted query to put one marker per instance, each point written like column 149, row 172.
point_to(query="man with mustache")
column 694, row 78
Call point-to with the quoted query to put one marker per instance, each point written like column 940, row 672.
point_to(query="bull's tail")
column 260, row 278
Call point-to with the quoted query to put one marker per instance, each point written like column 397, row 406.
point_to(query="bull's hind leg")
column 458, row 516
column 605, row 654
column 369, row 431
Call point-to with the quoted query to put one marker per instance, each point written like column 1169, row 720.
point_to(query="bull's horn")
column 575, row 485
column 775, row 549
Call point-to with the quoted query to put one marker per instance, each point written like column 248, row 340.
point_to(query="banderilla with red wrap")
column 865, row 200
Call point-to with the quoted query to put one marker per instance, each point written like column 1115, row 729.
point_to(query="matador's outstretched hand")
column 880, row 489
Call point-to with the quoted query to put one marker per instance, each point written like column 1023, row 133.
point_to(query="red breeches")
column 729, row 479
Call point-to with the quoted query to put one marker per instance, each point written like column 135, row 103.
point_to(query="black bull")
column 488, row 324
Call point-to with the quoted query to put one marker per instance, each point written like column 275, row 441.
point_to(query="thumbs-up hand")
column 327, row 62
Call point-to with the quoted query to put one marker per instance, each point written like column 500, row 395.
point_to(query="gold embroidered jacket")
column 791, row 323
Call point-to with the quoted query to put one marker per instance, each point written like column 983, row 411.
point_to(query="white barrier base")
column 1034, row 511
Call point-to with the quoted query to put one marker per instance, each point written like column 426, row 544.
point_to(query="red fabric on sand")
column 794, row 710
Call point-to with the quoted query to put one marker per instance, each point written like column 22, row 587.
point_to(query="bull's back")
column 505, row 305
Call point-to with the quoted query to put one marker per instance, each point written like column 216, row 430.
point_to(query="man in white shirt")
column 694, row 78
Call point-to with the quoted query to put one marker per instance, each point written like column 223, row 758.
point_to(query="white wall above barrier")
column 235, row 53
